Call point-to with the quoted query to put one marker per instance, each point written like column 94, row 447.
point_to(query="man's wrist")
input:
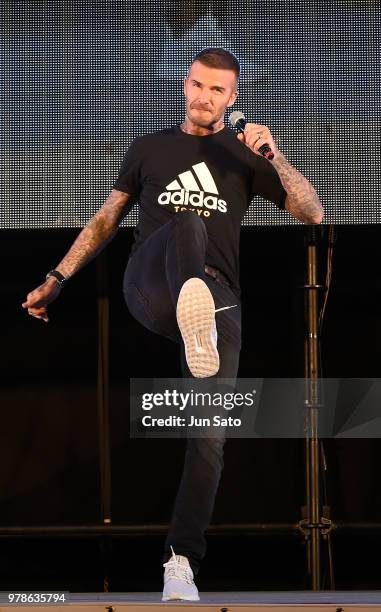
column 57, row 277
column 278, row 158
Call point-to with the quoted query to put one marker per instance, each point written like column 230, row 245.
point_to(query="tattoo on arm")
column 98, row 232
column 302, row 199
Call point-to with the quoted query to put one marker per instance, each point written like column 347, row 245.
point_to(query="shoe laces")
column 175, row 569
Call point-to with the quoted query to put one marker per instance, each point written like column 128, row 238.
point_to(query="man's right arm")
column 96, row 234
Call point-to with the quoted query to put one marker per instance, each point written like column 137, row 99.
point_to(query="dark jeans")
column 152, row 282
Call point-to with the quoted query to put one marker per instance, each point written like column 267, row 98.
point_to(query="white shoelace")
column 177, row 570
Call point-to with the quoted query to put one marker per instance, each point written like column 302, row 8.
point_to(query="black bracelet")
column 61, row 280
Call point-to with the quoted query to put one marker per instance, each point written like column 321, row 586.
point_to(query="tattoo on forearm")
column 302, row 198
column 92, row 239
column 95, row 235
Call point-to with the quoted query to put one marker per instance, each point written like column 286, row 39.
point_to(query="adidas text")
column 184, row 198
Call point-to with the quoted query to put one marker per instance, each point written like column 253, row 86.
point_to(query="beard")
column 202, row 118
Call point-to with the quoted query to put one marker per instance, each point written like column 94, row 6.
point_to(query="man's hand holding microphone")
column 255, row 136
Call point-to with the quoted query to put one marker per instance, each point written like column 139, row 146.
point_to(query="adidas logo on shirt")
column 190, row 189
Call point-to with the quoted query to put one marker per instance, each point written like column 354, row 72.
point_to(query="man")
column 194, row 182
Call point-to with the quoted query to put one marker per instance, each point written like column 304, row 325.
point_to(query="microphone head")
column 236, row 116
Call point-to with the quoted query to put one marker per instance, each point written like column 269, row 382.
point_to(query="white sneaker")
column 195, row 317
column 178, row 580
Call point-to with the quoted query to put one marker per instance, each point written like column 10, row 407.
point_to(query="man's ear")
column 232, row 99
column 184, row 84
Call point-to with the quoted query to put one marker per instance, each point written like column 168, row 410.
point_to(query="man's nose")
column 204, row 96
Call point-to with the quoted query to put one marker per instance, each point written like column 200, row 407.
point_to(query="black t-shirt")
column 215, row 176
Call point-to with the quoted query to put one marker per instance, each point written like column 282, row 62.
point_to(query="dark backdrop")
column 49, row 439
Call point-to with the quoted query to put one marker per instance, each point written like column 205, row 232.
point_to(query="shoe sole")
column 177, row 597
column 195, row 318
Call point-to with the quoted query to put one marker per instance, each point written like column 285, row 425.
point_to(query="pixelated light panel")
column 81, row 79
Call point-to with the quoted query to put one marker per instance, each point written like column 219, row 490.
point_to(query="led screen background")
column 81, row 78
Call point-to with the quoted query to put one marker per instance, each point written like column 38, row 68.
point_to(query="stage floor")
column 335, row 601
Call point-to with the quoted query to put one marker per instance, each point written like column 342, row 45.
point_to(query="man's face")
column 209, row 91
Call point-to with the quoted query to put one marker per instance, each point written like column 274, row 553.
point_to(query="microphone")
column 238, row 121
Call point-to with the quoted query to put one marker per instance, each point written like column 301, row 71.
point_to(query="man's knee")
column 210, row 448
column 189, row 222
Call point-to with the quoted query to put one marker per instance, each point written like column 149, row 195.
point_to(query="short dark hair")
column 217, row 57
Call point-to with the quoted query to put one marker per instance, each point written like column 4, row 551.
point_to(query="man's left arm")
column 302, row 201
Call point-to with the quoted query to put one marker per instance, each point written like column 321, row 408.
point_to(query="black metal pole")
column 103, row 405
column 313, row 523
